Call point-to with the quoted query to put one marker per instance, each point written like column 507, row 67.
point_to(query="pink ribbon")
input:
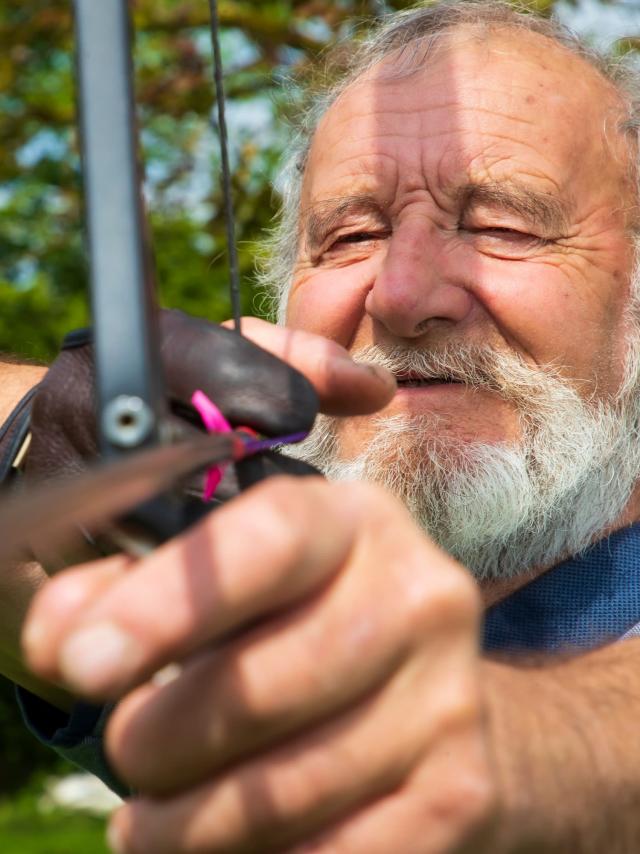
column 214, row 422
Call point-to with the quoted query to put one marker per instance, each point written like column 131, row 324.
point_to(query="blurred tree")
column 20, row 754
column 42, row 265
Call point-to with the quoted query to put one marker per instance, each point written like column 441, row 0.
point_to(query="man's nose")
column 415, row 286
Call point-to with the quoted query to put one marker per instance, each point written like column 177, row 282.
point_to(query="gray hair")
column 411, row 36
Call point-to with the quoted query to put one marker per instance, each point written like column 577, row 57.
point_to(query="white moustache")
column 476, row 366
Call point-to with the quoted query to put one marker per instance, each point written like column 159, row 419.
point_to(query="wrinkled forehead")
column 477, row 106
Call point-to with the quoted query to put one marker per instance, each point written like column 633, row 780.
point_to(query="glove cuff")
column 14, row 436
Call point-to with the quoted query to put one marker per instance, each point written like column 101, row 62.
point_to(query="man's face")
column 468, row 226
column 483, row 199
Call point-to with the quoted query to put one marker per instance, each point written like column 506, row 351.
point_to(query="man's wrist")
column 565, row 763
column 15, row 382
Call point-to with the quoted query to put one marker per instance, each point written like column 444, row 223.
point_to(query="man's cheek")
column 536, row 307
column 330, row 302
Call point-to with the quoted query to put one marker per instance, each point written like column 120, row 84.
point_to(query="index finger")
column 248, row 560
column 344, row 387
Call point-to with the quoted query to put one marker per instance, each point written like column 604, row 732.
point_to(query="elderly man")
column 466, row 217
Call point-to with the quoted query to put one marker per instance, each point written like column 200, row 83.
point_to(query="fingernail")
column 357, row 364
column 168, row 674
column 95, row 658
column 377, row 370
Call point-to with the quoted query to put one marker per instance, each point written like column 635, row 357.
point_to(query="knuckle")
column 436, row 590
column 292, row 497
column 446, row 598
column 458, row 596
column 291, row 503
column 476, row 800
column 467, row 803
column 250, row 702
column 289, row 509
column 307, row 782
column 272, row 805
column 442, row 594
column 281, row 510
column 301, row 783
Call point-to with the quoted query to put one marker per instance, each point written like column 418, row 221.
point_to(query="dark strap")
column 582, row 603
column 15, row 429
column 13, row 433
column 77, row 338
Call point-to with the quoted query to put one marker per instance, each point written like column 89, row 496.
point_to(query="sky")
column 602, row 23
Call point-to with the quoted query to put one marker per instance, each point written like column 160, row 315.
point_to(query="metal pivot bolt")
column 127, row 421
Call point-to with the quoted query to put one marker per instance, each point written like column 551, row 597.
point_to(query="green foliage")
column 21, row 755
column 26, row 829
column 42, row 269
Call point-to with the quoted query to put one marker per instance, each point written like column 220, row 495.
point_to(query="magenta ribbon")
column 214, row 422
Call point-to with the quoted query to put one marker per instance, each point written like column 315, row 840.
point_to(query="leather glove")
column 13, row 434
column 250, row 386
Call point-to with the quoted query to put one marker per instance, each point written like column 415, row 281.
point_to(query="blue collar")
column 591, row 599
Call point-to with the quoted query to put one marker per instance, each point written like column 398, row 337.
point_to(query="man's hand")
column 250, row 385
column 329, row 694
column 275, row 396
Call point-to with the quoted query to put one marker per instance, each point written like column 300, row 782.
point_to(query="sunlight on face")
column 456, row 229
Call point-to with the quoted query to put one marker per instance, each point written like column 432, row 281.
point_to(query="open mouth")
column 416, row 381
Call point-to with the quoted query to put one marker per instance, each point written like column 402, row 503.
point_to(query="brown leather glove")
column 13, row 434
column 250, row 386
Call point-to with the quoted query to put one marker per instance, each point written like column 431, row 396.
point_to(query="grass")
column 26, row 829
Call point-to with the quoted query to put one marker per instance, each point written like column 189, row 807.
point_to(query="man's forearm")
column 19, row 582
column 567, row 753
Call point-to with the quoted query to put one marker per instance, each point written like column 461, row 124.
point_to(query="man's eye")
column 503, row 242
column 355, row 237
column 499, row 232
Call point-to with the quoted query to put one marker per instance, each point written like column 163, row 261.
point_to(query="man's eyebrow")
column 322, row 217
column 541, row 209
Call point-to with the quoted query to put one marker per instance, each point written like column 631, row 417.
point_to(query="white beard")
column 500, row 509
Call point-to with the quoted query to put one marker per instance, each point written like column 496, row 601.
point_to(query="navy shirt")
column 587, row 601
